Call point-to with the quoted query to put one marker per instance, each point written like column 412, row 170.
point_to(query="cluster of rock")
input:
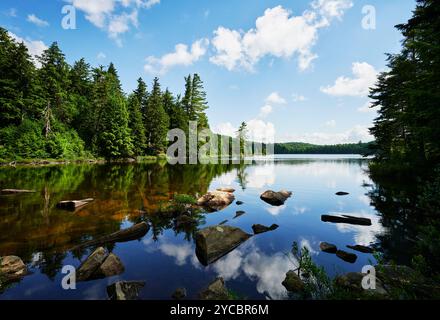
column 99, row 264
column 346, row 256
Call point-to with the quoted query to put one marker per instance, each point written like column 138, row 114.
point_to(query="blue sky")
column 298, row 70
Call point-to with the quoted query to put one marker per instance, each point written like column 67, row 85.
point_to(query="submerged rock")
column 346, row 256
column 91, row 264
column 216, row 290
column 214, row 242
column 111, row 266
column 125, row 290
column 216, row 200
column 293, row 282
column 275, row 198
column 179, row 294
column 259, row 228
column 342, row 193
column 328, row 247
column 361, row 248
column 239, row 203
column 346, row 219
column 229, row 190
column 12, row 268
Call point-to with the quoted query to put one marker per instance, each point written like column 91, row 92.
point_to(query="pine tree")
column 174, row 108
column 198, row 103
column 136, row 125
column 157, row 121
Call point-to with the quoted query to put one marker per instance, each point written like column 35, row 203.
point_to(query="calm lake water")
column 32, row 228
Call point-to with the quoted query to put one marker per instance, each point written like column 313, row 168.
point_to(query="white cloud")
column 32, row 18
column 275, row 98
column 277, row 33
column 182, row 55
column 12, row 12
column 265, row 111
column 364, row 77
column 298, row 98
column 353, row 135
column 103, row 14
column 331, row 123
column 101, row 56
column 261, row 131
column 225, row 128
column 35, row 47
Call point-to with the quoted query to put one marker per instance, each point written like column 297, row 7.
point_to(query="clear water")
column 32, row 228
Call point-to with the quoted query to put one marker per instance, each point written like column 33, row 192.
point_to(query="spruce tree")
column 136, row 125
column 156, row 121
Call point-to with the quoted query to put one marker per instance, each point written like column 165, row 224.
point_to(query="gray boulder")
column 111, row 266
column 125, row 290
column 91, row 264
column 346, row 256
column 275, row 198
column 214, row 242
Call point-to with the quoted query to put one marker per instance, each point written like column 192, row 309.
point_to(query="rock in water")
column 342, row 193
column 239, row 203
column 179, row 294
column 259, row 228
column 12, row 268
column 91, row 264
column 239, row 213
column 214, row 242
column 346, row 219
column 216, row 200
column 328, row 247
column 73, row 204
column 348, row 257
column 15, row 191
column 293, row 282
column 111, row 266
column 125, row 290
column 275, row 198
column 352, row 282
column 215, row 291
column 360, row 248
column 230, row 190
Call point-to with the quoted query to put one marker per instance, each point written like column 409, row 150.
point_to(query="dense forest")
column 307, row 148
column 61, row 111
column 407, row 132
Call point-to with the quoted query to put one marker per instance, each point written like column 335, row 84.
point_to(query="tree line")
column 307, row 148
column 57, row 110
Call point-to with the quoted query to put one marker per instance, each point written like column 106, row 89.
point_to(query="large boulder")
column 12, row 268
column 125, row 290
column 216, row 200
column 293, row 282
column 214, row 242
column 216, row 290
column 275, row 198
column 91, row 264
column 111, row 266
column 259, row 228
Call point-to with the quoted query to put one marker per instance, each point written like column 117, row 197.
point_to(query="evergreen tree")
column 136, row 125
column 157, row 121
column 198, row 103
column 174, row 108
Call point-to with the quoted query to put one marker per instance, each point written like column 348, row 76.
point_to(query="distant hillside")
column 307, row 148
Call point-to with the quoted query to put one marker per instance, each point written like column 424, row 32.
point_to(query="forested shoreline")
column 59, row 111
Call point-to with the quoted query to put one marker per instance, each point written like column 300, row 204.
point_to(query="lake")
column 32, row 228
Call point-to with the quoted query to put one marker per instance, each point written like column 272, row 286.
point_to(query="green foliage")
column 184, row 199
column 306, row 148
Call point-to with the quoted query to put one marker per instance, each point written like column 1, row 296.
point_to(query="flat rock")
column 125, row 290
column 328, row 247
column 214, row 242
column 91, row 264
column 259, row 228
column 239, row 213
column 16, row 191
column 216, row 290
column 293, row 282
column 216, row 200
column 229, row 190
column 73, row 204
column 346, row 219
column 12, row 268
column 342, row 193
column 361, row 248
column 275, row 198
column 179, row 294
column 111, row 266
column 346, row 256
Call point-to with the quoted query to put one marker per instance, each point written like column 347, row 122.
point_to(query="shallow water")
column 32, row 228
